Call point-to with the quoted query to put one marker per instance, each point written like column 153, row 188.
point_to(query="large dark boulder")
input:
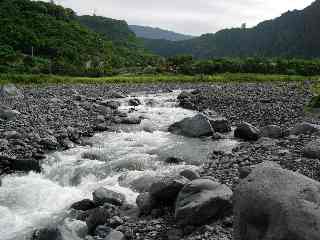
column 47, row 234
column 83, row 205
column 96, row 217
column 247, row 132
column 145, row 203
column 220, row 125
column 166, row 190
column 273, row 203
column 134, row 102
column 201, row 201
column 197, row 126
column 103, row 195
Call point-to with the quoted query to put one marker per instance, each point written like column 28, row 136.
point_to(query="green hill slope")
column 58, row 42
column 294, row 34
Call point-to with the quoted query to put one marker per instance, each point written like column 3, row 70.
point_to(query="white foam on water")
column 35, row 200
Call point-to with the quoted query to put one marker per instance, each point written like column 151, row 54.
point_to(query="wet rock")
column 312, row 150
column 244, row 171
column 115, row 221
column 8, row 114
column 102, row 231
column 175, row 234
column 166, row 190
column 220, row 125
column 130, row 120
column 273, row 203
column 148, row 126
column 73, row 134
column 201, row 201
column 247, row 132
column 47, row 234
column 96, row 217
column 76, row 227
column 197, row 126
column 145, row 203
column 305, row 128
column 115, row 235
column 134, row 102
column 143, row 184
column 103, row 195
column 190, row 174
column 50, row 142
column 174, row 160
column 25, row 165
column 83, row 205
column 272, row 131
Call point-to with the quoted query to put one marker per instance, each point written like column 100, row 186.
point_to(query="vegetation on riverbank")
column 130, row 79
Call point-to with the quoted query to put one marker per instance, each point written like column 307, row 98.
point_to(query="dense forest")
column 294, row 34
column 40, row 37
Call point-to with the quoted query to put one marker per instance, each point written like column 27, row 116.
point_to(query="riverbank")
column 56, row 117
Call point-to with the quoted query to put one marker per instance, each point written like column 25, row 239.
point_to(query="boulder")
column 96, row 217
column 190, row 174
column 174, row 160
column 166, row 190
column 305, row 128
column 197, row 126
column 247, row 132
column 272, row 131
column 134, row 102
column 47, row 234
column 273, row 203
column 8, row 114
column 83, row 205
column 130, row 120
column 312, row 150
column 114, row 94
column 143, row 183
column 25, row 165
column 201, row 201
column 102, row 231
column 103, row 195
column 50, row 142
column 220, row 125
column 145, row 203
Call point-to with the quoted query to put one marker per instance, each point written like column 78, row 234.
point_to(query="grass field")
column 130, row 79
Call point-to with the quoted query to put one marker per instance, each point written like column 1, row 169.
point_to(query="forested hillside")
column 39, row 37
column 294, row 34
column 157, row 33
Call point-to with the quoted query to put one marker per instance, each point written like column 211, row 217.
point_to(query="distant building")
column 243, row 26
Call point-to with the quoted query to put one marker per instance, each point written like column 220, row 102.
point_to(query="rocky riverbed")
column 268, row 120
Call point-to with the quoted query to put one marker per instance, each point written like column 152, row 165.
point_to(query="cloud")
column 187, row 16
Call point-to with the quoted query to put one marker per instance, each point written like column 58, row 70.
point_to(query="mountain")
column 157, row 33
column 293, row 34
column 41, row 37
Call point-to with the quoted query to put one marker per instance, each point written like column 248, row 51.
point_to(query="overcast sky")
column 187, row 16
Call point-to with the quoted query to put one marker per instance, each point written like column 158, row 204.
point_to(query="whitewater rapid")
column 32, row 201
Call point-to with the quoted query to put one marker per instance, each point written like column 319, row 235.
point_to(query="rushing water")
column 35, row 200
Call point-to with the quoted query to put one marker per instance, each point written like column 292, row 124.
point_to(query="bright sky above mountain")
column 187, row 16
